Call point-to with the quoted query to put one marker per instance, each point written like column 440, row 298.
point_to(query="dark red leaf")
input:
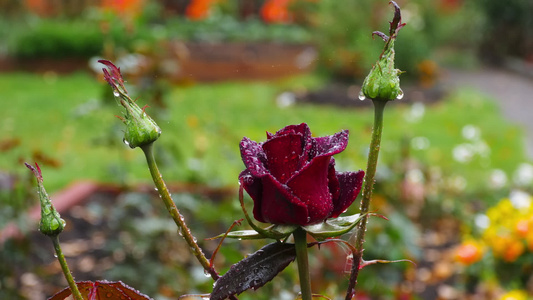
column 254, row 271
column 103, row 290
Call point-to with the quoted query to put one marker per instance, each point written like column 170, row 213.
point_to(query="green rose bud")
column 141, row 130
column 383, row 81
column 51, row 223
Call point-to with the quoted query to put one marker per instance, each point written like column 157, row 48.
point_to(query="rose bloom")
column 291, row 177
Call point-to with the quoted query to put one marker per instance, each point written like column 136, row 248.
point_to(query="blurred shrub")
column 219, row 28
column 508, row 29
column 343, row 32
column 58, row 39
column 87, row 37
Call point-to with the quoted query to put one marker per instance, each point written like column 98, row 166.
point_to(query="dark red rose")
column 292, row 179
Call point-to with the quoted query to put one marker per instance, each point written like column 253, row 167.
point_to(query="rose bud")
column 140, row 128
column 383, row 81
column 51, row 223
column 292, row 180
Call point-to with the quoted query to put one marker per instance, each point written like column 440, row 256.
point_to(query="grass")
column 62, row 120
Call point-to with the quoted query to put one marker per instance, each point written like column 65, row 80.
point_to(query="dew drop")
column 55, row 255
column 126, row 142
column 362, row 95
column 116, row 93
column 400, row 95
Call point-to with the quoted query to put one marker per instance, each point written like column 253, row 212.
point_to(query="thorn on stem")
column 144, row 108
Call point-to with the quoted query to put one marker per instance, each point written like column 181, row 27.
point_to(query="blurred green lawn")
column 61, row 117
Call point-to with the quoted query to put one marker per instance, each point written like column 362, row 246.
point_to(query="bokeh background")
column 455, row 176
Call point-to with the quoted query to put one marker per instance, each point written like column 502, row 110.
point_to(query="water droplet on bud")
column 116, row 93
column 400, row 95
column 362, row 95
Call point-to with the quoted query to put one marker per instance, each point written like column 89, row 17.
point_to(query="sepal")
column 277, row 232
column 333, row 227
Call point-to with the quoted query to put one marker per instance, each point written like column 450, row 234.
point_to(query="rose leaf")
column 255, row 270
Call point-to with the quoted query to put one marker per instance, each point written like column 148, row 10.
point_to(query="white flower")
column 471, row 132
column 482, row 221
column 463, row 153
column 523, row 176
column 520, row 199
column 420, row 143
column 498, row 179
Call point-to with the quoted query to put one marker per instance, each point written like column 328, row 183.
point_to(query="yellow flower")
column 515, row 295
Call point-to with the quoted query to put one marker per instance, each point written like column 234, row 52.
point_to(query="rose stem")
column 68, row 276
column 379, row 107
column 300, row 241
column 174, row 212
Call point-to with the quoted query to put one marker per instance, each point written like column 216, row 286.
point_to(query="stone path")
column 513, row 91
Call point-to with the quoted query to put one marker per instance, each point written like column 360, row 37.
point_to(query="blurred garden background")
column 455, row 177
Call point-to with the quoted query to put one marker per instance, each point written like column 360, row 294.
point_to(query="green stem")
column 375, row 144
column 174, row 212
column 300, row 241
column 68, row 276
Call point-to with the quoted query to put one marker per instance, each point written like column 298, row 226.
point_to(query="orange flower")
column 198, row 9
column 123, row 7
column 522, row 228
column 39, row 7
column 514, row 249
column 276, row 11
column 469, row 252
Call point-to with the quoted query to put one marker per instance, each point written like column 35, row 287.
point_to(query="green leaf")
column 333, row 227
column 277, row 232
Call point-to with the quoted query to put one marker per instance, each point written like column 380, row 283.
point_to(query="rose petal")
column 331, row 144
column 310, row 185
column 279, row 205
column 350, row 186
column 283, row 154
column 254, row 188
column 253, row 157
column 303, row 129
column 333, row 182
